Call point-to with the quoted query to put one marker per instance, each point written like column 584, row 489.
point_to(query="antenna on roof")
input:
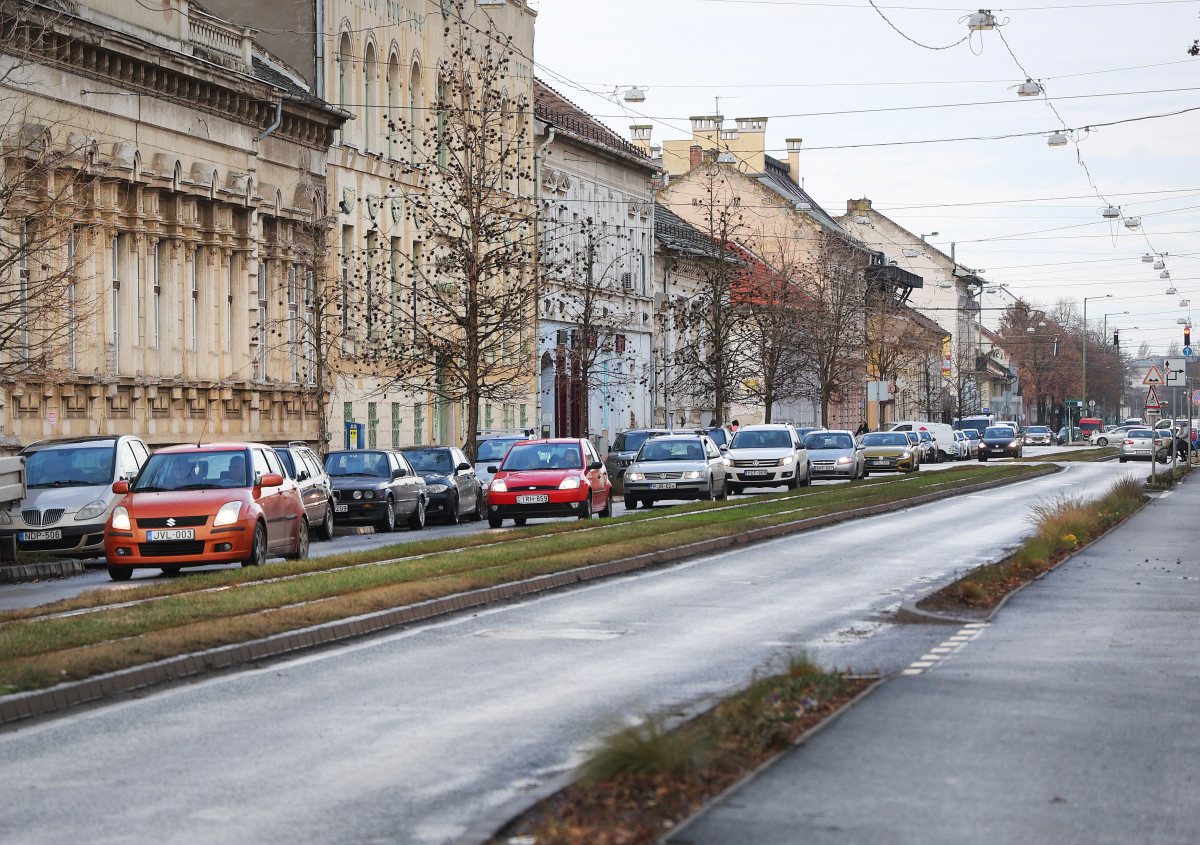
column 201, row 440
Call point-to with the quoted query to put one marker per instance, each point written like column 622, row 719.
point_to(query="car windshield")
column 718, row 435
column 925, row 435
column 630, row 441
column 971, row 433
column 768, row 439
column 493, row 450
column 192, row 471
column 829, row 440
column 529, row 456
column 288, row 463
column 672, row 450
column 1000, row 432
column 885, row 438
column 437, row 461
column 1140, row 433
column 374, row 464
column 1038, row 429
column 70, row 466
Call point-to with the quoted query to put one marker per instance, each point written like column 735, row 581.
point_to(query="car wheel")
column 631, row 503
column 417, row 521
column 478, row 514
column 170, row 571
column 1122, row 460
column 258, row 547
column 608, row 507
column 734, row 489
column 519, row 520
column 495, row 522
column 586, row 513
column 388, row 523
column 452, row 511
column 1101, row 441
column 301, row 550
column 866, row 473
column 325, row 531
column 707, row 495
column 724, row 490
column 807, row 482
column 983, row 459
column 120, row 573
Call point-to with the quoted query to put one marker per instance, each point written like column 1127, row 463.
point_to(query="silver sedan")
column 676, row 466
column 834, row 454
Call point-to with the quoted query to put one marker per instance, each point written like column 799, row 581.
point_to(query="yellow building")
column 180, row 162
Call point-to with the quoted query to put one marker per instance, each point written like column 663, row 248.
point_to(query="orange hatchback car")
column 205, row 504
column 561, row 477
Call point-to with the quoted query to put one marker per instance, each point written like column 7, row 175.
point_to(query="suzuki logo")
column 170, row 522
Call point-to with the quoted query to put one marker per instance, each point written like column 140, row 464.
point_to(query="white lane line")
column 911, row 671
column 919, row 664
column 942, row 649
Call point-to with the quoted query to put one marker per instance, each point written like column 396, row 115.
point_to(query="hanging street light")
column 1160, row 264
column 1147, row 258
column 1029, row 88
column 634, row 94
column 981, row 20
column 1132, row 222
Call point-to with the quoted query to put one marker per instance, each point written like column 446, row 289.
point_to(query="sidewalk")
column 1074, row 717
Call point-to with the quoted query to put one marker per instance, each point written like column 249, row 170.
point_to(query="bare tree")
column 462, row 316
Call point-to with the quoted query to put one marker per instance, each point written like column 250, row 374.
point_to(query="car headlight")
column 120, row 519
column 92, row 510
column 228, row 514
column 368, row 494
column 437, row 487
column 357, row 494
column 571, row 482
column 634, row 476
column 498, row 486
column 728, row 462
column 693, row 474
column 5, row 519
column 844, row 460
column 786, row 461
column 1014, row 443
column 906, row 454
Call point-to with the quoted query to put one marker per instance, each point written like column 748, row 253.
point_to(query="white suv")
column 767, row 455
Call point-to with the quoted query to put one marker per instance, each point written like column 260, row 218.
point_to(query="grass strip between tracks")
column 39, row 652
column 1097, row 453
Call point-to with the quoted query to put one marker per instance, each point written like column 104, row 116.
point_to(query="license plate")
column 171, row 534
column 34, row 536
column 756, row 473
column 877, row 463
column 666, row 485
column 341, row 508
column 534, row 499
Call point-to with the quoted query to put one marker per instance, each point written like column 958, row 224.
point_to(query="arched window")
column 443, row 129
column 415, row 99
column 368, row 106
column 393, row 106
column 345, row 71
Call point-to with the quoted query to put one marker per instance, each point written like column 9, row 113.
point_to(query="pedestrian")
column 862, row 428
column 733, row 426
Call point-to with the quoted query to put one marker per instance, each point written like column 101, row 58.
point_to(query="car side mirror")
column 399, row 473
column 303, row 476
column 463, row 466
column 271, row 479
column 595, row 465
column 121, row 487
column 492, row 470
column 724, row 448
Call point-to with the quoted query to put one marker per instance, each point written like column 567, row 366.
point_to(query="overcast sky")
column 1021, row 211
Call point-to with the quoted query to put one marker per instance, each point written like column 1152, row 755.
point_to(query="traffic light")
column 1116, row 338
column 1187, row 335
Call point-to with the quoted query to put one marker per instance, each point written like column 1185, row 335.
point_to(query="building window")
column 372, row 424
column 25, row 289
column 260, row 331
column 118, row 242
column 229, row 305
column 195, row 298
column 418, row 423
column 395, row 425
column 155, row 270
column 310, row 323
column 443, row 132
column 371, row 319
column 293, row 323
column 73, row 267
column 368, row 107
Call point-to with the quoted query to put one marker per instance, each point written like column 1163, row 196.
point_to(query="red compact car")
column 205, row 504
column 560, row 477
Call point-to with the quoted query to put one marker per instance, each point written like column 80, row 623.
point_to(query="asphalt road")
column 414, row 736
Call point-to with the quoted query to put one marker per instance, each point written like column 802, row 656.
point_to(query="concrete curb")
column 20, row 706
column 21, row 573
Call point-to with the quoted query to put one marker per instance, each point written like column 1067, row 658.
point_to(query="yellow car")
column 887, row 450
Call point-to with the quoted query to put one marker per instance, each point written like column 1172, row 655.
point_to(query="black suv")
column 316, row 490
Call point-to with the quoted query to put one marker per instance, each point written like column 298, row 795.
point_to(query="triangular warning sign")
column 1152, row 398
column 1153, row 377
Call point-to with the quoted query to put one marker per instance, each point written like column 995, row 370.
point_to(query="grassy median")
column 207, row 610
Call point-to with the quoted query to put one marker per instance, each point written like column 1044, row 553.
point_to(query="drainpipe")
column 537, row 221
column 275, row 123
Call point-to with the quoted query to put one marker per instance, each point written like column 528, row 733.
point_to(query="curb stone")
column 20, row 706
column 25, row 572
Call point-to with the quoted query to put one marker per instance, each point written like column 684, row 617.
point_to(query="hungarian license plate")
column 341, row 508
column 877, row 463
column 665, row 485
column 757, row 473
column 534, row 499
column 34, row 536
column 171, row 534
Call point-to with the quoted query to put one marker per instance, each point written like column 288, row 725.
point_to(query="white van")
column 942, row 434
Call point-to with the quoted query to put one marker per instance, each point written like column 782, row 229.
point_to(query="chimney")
column 695, row 156
column 640, row 136
column 858, row 206
column 793, row 151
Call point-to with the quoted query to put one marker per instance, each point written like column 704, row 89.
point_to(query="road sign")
column 1153, row 377
column 1196, row 398
column 1172, row 373
column 1187, row 352
column 1152, row 398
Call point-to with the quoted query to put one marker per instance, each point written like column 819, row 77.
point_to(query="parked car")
column 834, row 454
column 942, row 434
column 999, row 441
column 914, row 443
column 490, row 448
column 1076, row 435
column 767, row 455
column 376, row 486
column 1132, row 422
column 676, row 466
column 888, row 450
column 69, row 494
column 316, row 490
column 720, row 434
column 1141, row 443
column 929, row 449
column 450, row 482
column 1038, row 435
column 973, row 435
column 625, row 448
column 968, row 447
column 202, row 504
column 1110, row 435
column 555, row 477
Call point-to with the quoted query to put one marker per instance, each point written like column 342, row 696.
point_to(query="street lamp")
column 1085, row 330
column 1106, row 316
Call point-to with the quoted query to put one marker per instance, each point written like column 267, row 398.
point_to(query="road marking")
column 910, row 671
column 921, row 664
column 953, row 643
column 942, row 649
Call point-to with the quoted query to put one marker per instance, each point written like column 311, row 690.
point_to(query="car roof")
column 765, row 427
column 74, row 441
column 682, row 435
column 575, row 440
column 359, row 451
column 209, row 447
column 426, row 448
